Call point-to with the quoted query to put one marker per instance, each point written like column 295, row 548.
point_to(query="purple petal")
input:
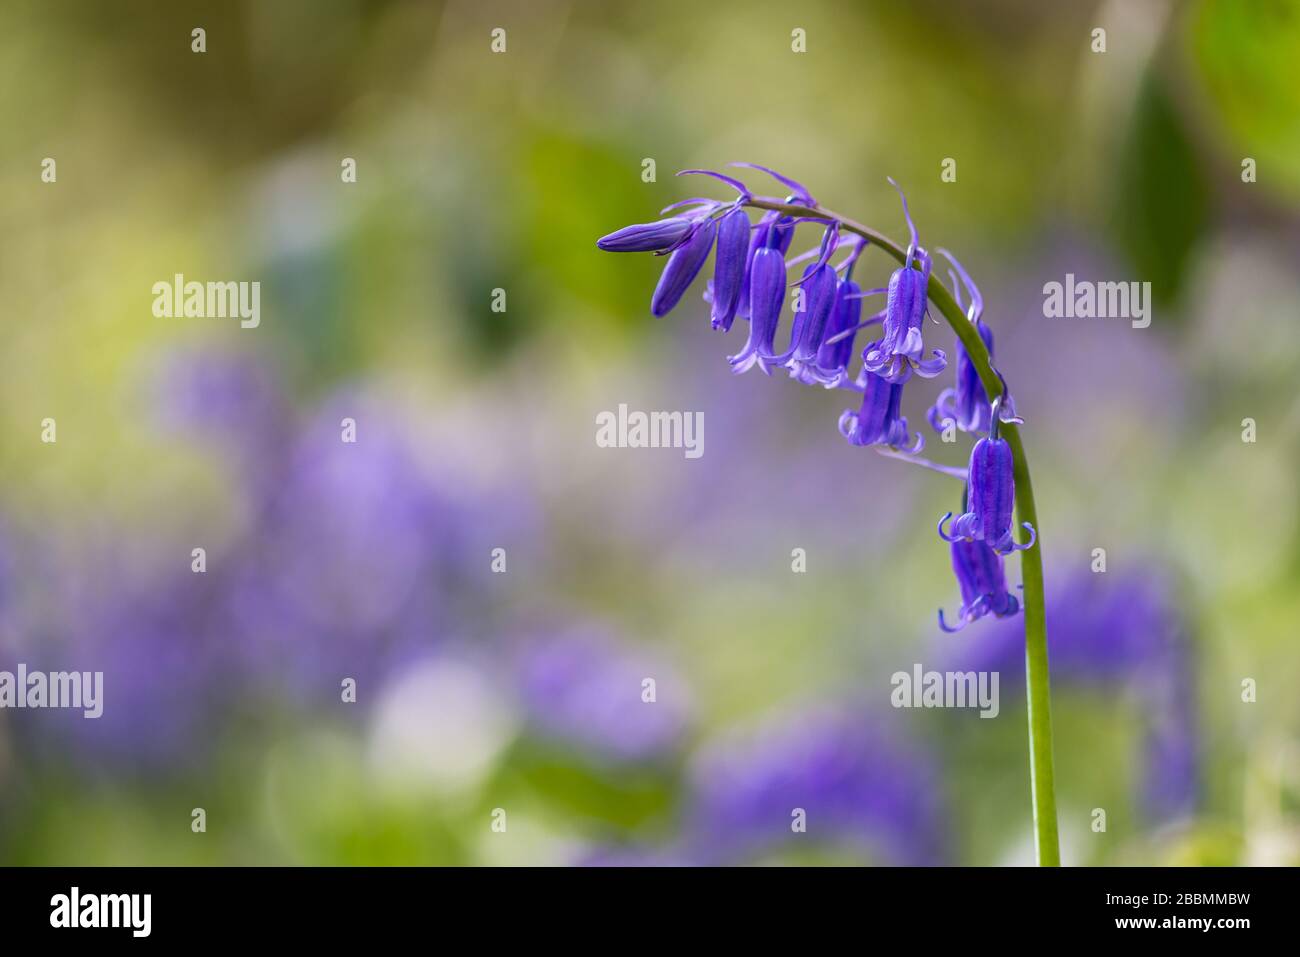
column 683, row 266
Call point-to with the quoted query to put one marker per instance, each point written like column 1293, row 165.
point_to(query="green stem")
column 1038, row 690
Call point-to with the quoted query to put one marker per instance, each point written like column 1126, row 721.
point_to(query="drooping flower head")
column 729, row 265
column 774, row 230
column 879, row 420
column 684, row 264
column 687, row 239
column 836, row 351
column 750, row 281
column 983, row 583
column 901, row 352
column 813, row 310
column 966, row 404
column 766, row 294
column 992, row 492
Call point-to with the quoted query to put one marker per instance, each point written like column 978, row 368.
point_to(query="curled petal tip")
column 948, row 628
column 929, row 368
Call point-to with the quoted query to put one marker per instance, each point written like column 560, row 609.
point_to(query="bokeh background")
column 521, row 690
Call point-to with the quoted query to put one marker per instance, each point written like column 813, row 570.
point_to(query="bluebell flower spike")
column 750, row 280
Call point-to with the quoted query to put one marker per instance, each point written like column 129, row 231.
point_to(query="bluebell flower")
column 827, row 318
column 774, row 230
column 687, row 240
column 660, row 235
column 729, row 267
column 967, row 404
column 983, row 583
column 809, row 329
column 901, row 351
column 684, row 264
column 767, row 293
column 992, row 492
column 836, row 351
column 879, row 420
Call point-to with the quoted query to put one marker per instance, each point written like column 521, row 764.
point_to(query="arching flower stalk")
column 751, row 280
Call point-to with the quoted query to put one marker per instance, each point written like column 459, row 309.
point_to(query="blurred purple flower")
column 167, row 671
column 858, row 786
column 228, row 396
column 370, row 548
column 584, row 688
